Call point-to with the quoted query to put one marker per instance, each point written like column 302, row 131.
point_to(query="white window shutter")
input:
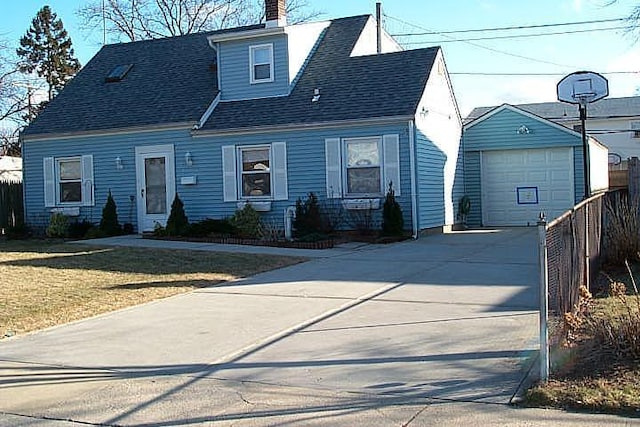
column 333, row 167
column 391, row 153
column 49, row 182
column 229, row 173
column 87, row 181
column 279, row 174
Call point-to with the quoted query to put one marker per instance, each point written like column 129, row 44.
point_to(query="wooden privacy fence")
column 11, row 205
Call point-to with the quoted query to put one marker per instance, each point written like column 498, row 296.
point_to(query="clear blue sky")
column 595, row 51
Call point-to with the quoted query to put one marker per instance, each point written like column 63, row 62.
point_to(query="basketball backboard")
column 582, row 87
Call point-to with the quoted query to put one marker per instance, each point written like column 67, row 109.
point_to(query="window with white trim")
column 363, row 167
column 255, row 171
column 261, row 63
column 635, row 127
column 69, row 180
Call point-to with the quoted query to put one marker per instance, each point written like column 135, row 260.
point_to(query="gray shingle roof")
column 350, row 87
column 605, row 108
column 171, row 82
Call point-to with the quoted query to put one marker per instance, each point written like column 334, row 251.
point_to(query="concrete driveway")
column 439, row 331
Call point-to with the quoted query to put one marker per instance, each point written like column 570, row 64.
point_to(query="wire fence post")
column 544, row 298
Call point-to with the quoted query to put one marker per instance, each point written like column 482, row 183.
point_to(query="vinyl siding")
column 430, row 183
column 305, row 170
column 234, row 69
column 104, row 149
column 499, row 132
column 472, row 185
column 440, row 177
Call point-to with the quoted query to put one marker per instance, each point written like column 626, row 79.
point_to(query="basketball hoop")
column 583, row 88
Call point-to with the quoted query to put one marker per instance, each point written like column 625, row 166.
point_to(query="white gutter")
column 414, row 195
column 109, row 132
column 246, row 34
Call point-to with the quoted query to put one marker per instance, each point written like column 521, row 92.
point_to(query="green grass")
column 45, row 283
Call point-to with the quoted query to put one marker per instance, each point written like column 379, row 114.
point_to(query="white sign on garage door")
column 518, row 184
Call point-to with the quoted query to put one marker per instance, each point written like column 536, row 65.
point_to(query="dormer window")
column 261, row 62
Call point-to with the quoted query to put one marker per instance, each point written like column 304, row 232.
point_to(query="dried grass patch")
column 43, row 284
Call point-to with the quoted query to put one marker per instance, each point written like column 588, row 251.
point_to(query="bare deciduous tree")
column 132, row 20
column 14, row 101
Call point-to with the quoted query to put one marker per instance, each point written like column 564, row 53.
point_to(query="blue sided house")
column 262, row 114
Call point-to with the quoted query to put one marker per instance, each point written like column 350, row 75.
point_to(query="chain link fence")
column 571, row 253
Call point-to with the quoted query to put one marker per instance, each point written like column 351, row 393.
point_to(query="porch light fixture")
column 188, row 160
column 523, row 130
column 119, row 165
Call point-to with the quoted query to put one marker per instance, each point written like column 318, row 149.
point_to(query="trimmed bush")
column 109, row 223
column 308, row 219
column 209, row 226
column 58, row 225
column 392, row 221
column 178, row 223
column 247, row 222
column 78, row 229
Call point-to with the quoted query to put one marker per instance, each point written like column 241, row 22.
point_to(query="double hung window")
column 261, row 59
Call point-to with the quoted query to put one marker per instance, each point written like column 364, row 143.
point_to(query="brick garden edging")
column 322, row 244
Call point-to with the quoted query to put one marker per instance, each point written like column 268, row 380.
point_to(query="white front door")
column 156, row 184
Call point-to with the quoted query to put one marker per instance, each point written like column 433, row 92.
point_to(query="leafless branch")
column 144, row 19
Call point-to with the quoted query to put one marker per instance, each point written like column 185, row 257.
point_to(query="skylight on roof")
column 118, row 73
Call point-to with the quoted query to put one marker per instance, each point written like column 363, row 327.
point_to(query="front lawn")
column 45, row 283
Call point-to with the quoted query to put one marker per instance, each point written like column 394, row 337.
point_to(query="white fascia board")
column 241, row 35
column 517, row 110
column 595, row 141
column 108, row 132
column 310, row 126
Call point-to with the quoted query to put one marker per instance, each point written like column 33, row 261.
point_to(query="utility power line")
column 489, row 74
column 519, row 27
column 515, row 36
column 480, row 46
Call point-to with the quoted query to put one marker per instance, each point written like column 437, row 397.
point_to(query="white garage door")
column 518, row 184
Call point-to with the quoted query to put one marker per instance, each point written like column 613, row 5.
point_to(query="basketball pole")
column 585, row 150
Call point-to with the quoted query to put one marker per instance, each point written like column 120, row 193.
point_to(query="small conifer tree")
column 178, row 223
column 308, row 218
column 392, row 221
column 109, row 222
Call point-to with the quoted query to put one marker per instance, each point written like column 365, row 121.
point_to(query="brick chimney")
column 276, row 13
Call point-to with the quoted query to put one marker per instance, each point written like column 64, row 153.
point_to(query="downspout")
column 414, row 194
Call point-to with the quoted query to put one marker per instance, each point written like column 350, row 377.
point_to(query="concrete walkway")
column 439, row 331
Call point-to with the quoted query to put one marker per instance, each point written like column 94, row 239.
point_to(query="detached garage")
column 518, row 164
